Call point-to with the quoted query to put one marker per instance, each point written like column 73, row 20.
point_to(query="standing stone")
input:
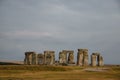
column 40, row 59
column 60, row 57
column 71, row 57
column 85, row 58
column 93, row 59
column 96, row 59
column 30, row 58
column 82, row 57
column 100, row 61
column 49, row 57
column 34, row 58
column 25, row 60
column 63, row 58
column 64, row 52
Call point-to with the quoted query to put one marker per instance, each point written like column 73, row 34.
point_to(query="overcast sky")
column 38, row 25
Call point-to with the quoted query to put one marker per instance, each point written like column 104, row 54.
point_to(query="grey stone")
column 96, row 59
column 82, row 57
column 30, row 58
column 40, row 58
column 63, row 58
column 49, row 58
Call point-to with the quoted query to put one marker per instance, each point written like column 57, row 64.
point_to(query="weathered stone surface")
column 34, row 59
column 85, row 58
column 40, row 58
column 63, row 58
column 93, row 59
column 71, row 58
column 96, row 59
column 30, row 58
column 100, row 62
column 27, row 59
column 82, row 57
column 49, row 58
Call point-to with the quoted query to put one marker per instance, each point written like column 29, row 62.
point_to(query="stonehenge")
column 65, row 57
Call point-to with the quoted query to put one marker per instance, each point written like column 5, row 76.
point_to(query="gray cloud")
column 59, row 24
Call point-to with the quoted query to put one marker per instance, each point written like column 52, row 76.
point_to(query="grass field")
column 24, row 72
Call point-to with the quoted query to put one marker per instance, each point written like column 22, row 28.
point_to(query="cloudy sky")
column 38, row 25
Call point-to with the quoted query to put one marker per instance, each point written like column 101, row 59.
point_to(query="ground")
column 23, row 72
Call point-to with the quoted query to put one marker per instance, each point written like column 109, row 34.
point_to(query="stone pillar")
column 71, row 57
column 61, row 57
column 40, row 58
column 30, row 58
column 93, row 59
column 25, row 59
column 82, row 57
column 34, row 58
column 49, row 57
column 64, row 52
column 85, row 57
column 96, row 59
column 100, row 60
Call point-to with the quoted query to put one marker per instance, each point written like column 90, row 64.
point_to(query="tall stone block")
column 96, row 59
column 100, row 62
column 62, row 57
column 34, row 59
column 25, row 59
column 66, row 56
column 49, row 57
column 71, row 58
column 40, row 58
column 93, row 60
column 30, row 58
column 85, row 58
column 82, row 57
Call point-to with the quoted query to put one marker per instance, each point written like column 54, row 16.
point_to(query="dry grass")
column 21, row 72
